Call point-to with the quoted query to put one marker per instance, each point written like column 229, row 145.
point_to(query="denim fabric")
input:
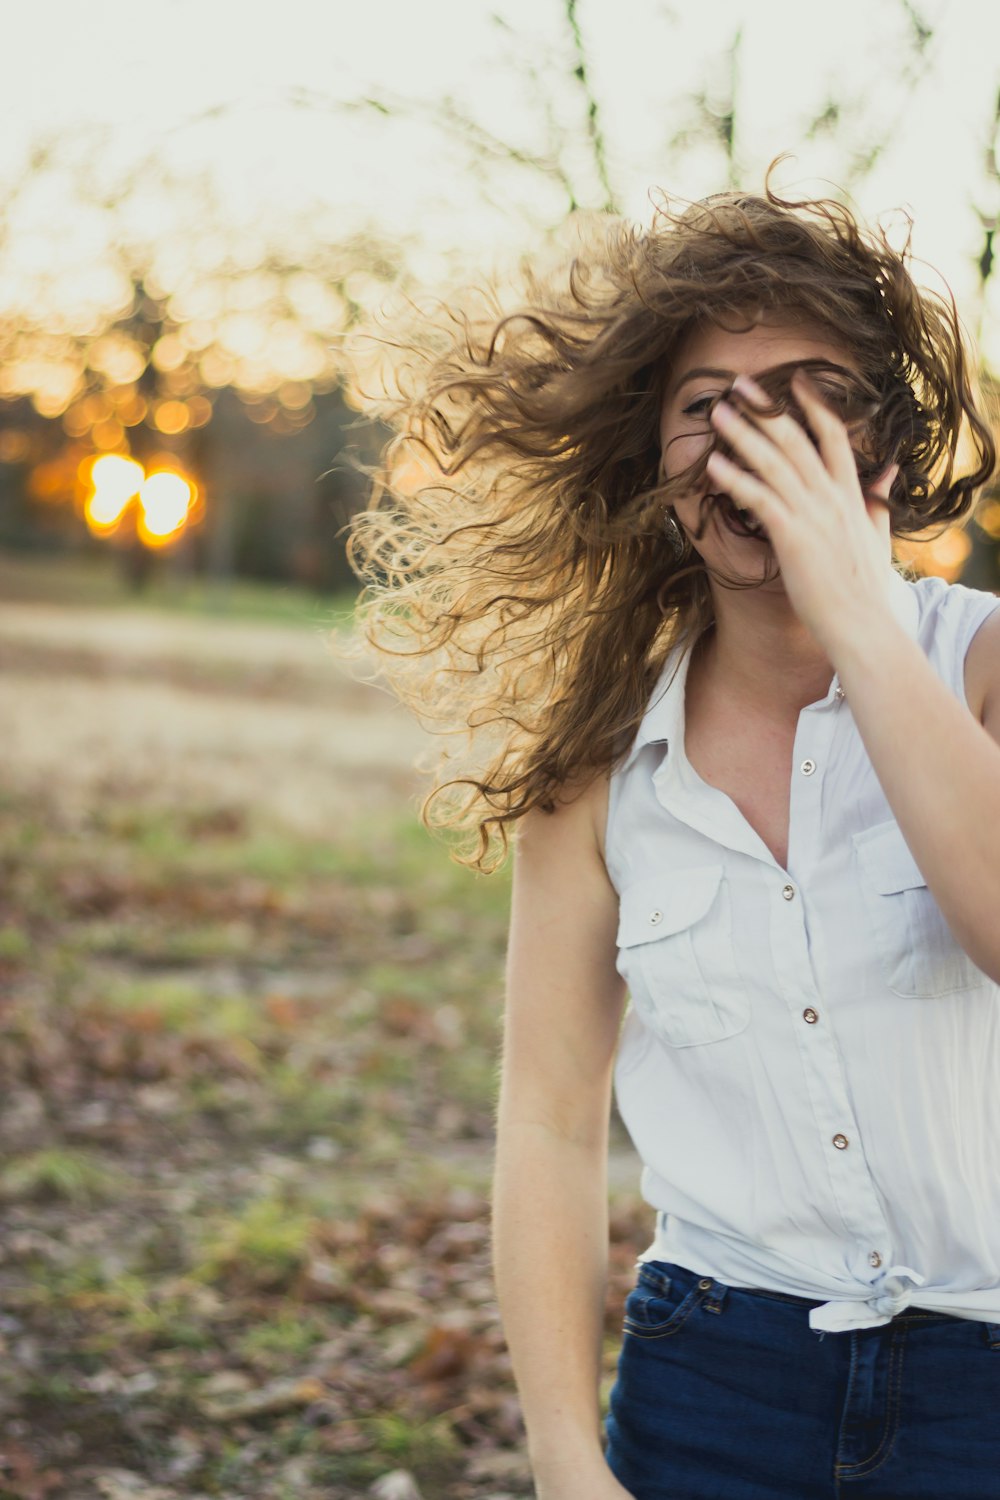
column 727, row 1394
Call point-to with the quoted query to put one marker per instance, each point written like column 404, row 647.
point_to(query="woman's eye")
column 700, row 407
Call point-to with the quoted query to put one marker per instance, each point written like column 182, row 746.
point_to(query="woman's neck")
column 759, row 653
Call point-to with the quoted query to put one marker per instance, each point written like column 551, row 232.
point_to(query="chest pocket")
column 677, row 956
column 918, row 955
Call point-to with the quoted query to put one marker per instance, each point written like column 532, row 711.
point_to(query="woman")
column 754, row 778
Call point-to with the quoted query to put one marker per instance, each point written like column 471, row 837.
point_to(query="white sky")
column 147, row 70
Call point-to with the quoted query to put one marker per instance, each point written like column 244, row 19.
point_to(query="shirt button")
column 875, row 1259
column 810, row 1015
column 788, row 891
column 840, row 692
column 840, row 1141
column 655, row 917
column 807, row 767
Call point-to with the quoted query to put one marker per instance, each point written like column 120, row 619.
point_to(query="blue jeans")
column 726, row 1394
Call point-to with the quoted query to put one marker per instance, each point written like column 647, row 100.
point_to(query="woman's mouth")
column 739, row 519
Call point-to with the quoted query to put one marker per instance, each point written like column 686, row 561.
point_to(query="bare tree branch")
column 446, row 116
column 912, row 75
column 594, row 131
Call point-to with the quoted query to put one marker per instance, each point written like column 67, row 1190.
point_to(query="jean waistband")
column 673, row 1271
column 714, row 1291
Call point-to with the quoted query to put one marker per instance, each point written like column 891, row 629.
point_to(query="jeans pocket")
column 660, row 1304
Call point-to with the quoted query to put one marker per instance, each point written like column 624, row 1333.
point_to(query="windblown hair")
column 520, row 587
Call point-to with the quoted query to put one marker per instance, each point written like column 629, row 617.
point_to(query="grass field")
column 250, row 1018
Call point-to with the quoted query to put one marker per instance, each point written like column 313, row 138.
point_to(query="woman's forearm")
column 930, row 755
column 550, row 1237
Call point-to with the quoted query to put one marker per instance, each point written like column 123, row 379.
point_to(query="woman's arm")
column 938, row 766
column 564, row 1007
column 939, row 769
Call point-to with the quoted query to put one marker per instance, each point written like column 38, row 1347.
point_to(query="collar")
column 664, row 715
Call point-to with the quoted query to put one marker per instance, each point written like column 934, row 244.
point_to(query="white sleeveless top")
column 810, row 1064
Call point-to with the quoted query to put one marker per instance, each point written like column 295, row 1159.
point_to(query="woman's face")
column 705, row 365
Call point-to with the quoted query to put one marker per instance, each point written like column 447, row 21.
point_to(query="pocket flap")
column 886, row 859
column 662, row 904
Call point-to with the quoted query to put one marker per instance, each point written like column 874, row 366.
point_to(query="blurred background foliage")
column 153, row 322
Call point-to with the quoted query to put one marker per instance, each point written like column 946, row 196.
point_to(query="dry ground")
column 178, row 710
column 248, row 1027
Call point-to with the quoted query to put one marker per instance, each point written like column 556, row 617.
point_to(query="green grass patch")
column 302, row 1106
column 263, row 1246
column 97, row 580
column 61, row 1173
column 287, row 1337
column 428, row 1449
column 164, row 941
column 177, row 1005
column 15, row 945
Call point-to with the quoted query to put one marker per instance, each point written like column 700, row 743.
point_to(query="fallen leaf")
column 446, row 1352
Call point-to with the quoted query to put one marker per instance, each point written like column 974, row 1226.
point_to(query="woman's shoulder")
column 960, row 630
column 947, row 597
column 576, row 816
column 949, row 613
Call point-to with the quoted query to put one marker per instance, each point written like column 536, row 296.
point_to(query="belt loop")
column 991, row 1333
column 715, row 1297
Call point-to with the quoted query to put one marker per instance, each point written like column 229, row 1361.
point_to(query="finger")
column 881, row 518
column 746, row 488
column 830, row 433
column 789, row 434
column 763, row 455
column 879, row 512
column 881, row 486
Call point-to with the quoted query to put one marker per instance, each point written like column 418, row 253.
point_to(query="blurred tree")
column 128, row 349
column 574, row 157
column 126, row 332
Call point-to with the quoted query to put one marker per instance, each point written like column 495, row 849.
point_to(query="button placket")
column 815, row 737
column 831, row 1112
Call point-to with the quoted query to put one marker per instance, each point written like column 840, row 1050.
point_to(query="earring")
column 676, row 537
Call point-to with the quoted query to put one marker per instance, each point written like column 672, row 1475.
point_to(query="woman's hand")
column 831, row 540
column 572, row 1481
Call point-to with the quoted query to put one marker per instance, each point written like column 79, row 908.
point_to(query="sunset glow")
column 165, row 499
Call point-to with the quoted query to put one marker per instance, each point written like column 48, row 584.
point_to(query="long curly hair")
column 521, row 594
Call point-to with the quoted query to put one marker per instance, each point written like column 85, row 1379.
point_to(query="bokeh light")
column 988, row 519
column 943, row 556
column 114, row 481
column 165, row 500
column 171, row 416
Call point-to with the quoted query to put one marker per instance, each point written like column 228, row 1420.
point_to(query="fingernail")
column 747, row 387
